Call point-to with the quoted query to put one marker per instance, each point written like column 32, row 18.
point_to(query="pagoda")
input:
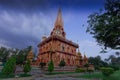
column 56, row 47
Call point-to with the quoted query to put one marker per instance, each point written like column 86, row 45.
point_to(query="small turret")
column 85, row 59
column 79, row 54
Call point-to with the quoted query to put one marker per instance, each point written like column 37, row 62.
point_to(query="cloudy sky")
column 24, row 22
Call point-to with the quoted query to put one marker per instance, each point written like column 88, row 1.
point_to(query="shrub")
column 27, row 67
column 9, row 66
column 62, row 63
column 107, row 71
column 97, row 67
column 116, row 68
column 50, row 66
column 80, row 70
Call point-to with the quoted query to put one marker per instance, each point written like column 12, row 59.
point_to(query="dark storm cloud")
column 17, row 41
column 20, row 30
column 23, row 22
column 23, row 4
column 28, row 5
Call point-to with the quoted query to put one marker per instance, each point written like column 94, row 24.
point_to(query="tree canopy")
column 105, row 25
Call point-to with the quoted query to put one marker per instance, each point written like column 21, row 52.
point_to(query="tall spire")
column 58, row 26
column 59, row 20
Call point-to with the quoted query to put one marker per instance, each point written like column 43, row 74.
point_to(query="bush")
column 97, row 67
column 80, row 70
column 9, row 67
column 62, row 63
column 27, row 67
column 116, row 68
column 50, row 66
column 107, row 71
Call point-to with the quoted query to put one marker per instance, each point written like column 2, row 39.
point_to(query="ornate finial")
column 85, row 56
column 59, row 20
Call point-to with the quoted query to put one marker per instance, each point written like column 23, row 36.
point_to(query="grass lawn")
column 12, row 76
column 6, row 76
column 115, row 76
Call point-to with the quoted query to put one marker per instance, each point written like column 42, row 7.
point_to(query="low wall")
column 62, row 69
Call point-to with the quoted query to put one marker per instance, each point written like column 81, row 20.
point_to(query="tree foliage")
column 20, row 54
column 105, row 25
column 107, row 71
column 20, row 58
column 97, row 62
column 50, row 66
column 62, row 63
column 27, row 67
column 4, row 53
column 9, row 66
column 113, row 60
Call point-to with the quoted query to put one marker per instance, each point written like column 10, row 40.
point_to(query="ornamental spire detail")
column 59, row 20
column 58, row 26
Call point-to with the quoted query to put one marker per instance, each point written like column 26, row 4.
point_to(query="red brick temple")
column 57, row 47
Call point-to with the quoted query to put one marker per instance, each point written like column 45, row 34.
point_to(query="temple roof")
column 58, row 38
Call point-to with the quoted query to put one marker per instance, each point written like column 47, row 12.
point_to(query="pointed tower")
column 79, row 59
column 58, row 26
column 79, row 54
column 85, row 60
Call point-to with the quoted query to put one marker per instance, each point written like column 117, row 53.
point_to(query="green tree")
column 4, row 53
column 113, row 60
column 97, row 62
column 105, row 25
column 27, row 67
column 50, row 66
column 62, row 63
column 20, row 57
column 9, row 66
column 107, row 71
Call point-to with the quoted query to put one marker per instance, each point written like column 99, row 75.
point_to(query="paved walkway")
column 62, row 78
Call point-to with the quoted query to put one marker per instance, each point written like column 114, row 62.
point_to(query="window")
column 63, row 47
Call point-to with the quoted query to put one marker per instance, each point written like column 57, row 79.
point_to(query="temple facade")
column 56, row 47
